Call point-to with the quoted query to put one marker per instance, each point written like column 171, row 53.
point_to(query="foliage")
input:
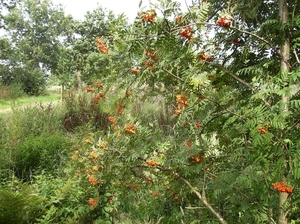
column 45, row 152
column 34, row 31
column 11, row 92
column 81, row 111
column 198, row 124
column 20, row 205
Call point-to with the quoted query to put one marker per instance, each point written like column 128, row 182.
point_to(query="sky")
column 130, row 7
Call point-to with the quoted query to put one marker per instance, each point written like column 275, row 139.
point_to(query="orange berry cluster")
column 181, row 103
column 119, row 108
column 262, row 130
column 98, row 85
column 98, row 97
column 89, row 89
column 205, row 57
column 282, row 187
column 111, row 119
column 149, row 16
column 151, row 55
column 224, row 21
column 180, row 20
column 152, row 163
column 189, row 144
column 187, row 33
column 237, row 42
column 196, row 159
column 92, row 202
column 133, row 187
column 100, row 46
column 134, row 70
column 93, row 180
column 130, row 128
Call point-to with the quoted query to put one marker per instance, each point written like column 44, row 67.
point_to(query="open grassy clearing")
column 6, row 105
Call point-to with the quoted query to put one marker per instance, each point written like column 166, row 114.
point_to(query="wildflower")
column 152, row 163
column 101, row 47
column 130, row 128
column 189, row 144
column 89, row 89
column 282, row 187
column 224, row 21
column 92, row 202
column 88, row 141
column 111, row 119
column 262, row 130
column 187, row 33
column 93, row 181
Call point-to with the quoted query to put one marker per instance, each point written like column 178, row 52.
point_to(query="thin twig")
column 170, row 73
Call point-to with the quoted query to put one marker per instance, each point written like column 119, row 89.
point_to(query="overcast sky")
column 130, row 7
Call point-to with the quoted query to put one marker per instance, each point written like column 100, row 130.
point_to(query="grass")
column 28, row 100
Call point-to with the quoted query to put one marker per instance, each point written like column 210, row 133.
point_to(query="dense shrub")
column 12, row 91
column 46, row 152
column 33, row 120
column 82, row 111
column 21, row 206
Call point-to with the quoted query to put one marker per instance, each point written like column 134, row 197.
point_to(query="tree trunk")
column 79, row 82
column 284, row 70
column 62, row 90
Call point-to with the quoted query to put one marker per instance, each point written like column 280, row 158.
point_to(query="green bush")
column 82, row 111
column 12, row 91
column 20, row 206
column 34, row 120
column 46, row 152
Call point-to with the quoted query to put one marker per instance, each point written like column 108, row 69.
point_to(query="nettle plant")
column 228, row 151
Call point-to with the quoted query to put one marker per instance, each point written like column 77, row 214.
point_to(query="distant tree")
column 99, row 23
column 35, row 30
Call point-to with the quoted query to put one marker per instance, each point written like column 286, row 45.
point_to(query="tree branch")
column 205, row 202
